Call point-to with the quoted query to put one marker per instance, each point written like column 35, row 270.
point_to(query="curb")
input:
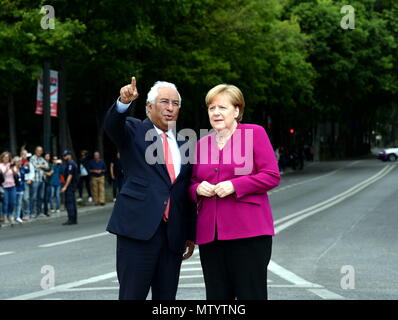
column 80, row 211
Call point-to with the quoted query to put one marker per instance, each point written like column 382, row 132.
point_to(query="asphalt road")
column 336, row 225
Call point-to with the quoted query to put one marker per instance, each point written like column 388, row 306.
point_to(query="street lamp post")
column 46, row 108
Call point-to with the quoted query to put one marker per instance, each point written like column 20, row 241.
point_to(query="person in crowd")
column 47, row 183
column 55, row 184
column 84, row 177
column 97, row 169
column 282, row 161
column 40, row 166
column 29, row 177
column 8, row 170
column 20, row 189
column 235, row 225
column 153, row 218
column 69, row 188
column 117, row 175
column 25, row 155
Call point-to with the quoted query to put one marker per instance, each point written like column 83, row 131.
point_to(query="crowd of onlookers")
column 31, row 184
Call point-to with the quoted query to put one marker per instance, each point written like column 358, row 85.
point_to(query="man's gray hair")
column 154, row 92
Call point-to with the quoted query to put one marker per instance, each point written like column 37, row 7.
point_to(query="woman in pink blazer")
column 235, row 168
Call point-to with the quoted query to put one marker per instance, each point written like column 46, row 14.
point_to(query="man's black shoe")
column 67, row 223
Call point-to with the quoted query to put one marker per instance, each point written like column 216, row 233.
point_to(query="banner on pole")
column 53, row 94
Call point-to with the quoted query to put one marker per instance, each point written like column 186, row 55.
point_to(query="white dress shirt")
column 175, row 151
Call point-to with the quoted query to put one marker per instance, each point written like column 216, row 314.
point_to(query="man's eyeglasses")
column 166, row 103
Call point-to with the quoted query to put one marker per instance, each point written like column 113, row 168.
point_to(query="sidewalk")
column 81, row 210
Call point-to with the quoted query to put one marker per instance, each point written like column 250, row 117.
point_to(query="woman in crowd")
column 8, row 169
column 235, row 168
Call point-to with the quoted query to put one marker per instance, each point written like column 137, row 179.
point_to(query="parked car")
column 389, row 154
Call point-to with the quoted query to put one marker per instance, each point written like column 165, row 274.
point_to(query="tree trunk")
column 394, row 125
column 65, row 140
column 317, row 140
column 11, row 121
column 99, row 123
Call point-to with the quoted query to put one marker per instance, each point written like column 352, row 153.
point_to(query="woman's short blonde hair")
column 235, row 96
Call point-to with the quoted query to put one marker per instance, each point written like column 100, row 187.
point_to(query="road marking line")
column 300, row 282
column 6, row 253
column 287, row 275
column 62, row 287
column 89, row 289
column 191, row 262
column 302, row 214
column 326, row 294
column 310, row 180
column 47, row 245
column 190, row 269
column 191, row 285
column 192, row 276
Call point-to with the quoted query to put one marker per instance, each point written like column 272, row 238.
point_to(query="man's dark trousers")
column 145, row 264
column 70, row 204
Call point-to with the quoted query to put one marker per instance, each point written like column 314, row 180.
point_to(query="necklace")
column 223, row 136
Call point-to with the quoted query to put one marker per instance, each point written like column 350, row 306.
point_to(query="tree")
column 25, row 45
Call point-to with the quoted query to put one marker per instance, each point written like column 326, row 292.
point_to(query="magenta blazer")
column 249, row 162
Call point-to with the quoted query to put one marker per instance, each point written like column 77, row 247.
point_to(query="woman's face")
column 47, row 156
column 6, row 158
column 222, row 113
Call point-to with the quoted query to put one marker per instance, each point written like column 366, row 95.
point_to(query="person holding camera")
column 8, row 170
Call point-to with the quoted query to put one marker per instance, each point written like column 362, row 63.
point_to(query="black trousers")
column 236, row 269
column 70, row 204
column 143, row 265
column 117, row 186
column 84, row 180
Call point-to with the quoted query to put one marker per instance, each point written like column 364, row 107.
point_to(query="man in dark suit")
column 153, row 218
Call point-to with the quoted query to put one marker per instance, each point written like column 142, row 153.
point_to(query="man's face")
column 67, row 157
column 164, row 112
column 96, row 155
column 39, row 151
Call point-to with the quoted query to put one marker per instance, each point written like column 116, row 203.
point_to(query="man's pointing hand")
column 129, row 92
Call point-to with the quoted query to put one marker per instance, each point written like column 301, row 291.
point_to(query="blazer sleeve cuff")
column 193, row 194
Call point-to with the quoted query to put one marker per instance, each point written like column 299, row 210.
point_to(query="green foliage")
column 286, row 55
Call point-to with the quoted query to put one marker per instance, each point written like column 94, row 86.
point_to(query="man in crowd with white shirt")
column 153, row 218
column 40, row 165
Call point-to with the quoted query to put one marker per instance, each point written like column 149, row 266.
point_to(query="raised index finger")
column 133, row 82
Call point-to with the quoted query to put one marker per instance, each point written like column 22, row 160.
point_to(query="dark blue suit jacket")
column 142, row 200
